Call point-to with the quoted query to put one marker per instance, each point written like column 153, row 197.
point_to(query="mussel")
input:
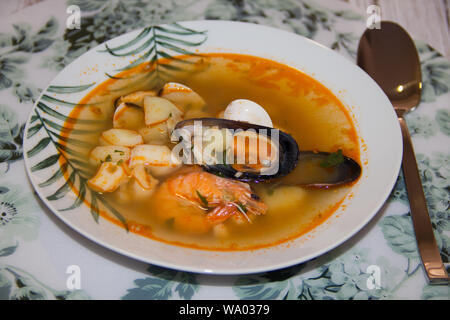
column 312, row 169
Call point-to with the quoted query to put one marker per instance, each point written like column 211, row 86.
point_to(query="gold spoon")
column 389, row 56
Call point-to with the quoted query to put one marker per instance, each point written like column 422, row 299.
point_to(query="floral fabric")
column 36, row 248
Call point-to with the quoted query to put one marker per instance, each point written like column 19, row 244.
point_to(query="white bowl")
column 375, row 119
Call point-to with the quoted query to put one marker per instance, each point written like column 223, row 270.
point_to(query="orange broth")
column 296, row 103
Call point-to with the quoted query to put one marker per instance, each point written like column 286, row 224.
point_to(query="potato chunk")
column 158, row 110
column 221, row 231
column 113, row 154
column 108, row 178
column 182, row 96
column 283, row 198
column 153, row 155
column 128, row 116
column 122, row 137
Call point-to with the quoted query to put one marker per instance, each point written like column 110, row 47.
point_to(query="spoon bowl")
column 390, row 57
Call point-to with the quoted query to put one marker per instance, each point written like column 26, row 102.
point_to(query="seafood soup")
column 217, row 205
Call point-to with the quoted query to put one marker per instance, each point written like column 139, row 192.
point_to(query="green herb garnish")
column 108, row 158
column 120, row 152
column 241, row 207
column 169, row 223
column 333, row 159
column 202, row 199
column 119, row 163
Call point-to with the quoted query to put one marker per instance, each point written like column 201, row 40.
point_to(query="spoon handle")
column 426, row 242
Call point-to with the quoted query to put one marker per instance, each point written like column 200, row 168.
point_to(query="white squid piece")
column 139, row 186
column 122, row 137
column 182, row 96
column 161, row 172
column 108, row 178
column 137, row 97
column 153, row 155
column 128, row 116
column 114, row 154
column 143, row 178
column 157, row 134
column 103, row 142
column 158, row 110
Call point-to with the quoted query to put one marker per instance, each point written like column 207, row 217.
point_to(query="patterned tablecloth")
column 39, row 255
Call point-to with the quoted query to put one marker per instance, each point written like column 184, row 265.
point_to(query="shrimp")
column 221, row 197
column 211, row 199
column 178, row 214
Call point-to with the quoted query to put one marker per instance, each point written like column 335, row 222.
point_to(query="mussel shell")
column 310, row 173
column 304, row 168
column 287, row 147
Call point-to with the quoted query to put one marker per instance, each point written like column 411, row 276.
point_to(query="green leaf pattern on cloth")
column 15, row 51
column 17, row 284
column 19, row 224
column 11, row 134
column 164, row 284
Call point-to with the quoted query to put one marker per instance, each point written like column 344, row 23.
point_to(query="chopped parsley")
column 243, row 210
column 108, row 158
column 333, row 159
column 120, row 152
column 202, row 199
column 241, row 207
column 169, row 223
